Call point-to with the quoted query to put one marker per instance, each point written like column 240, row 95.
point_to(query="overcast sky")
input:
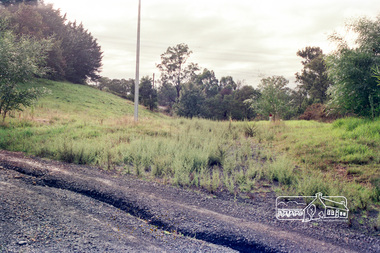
column 245, row 39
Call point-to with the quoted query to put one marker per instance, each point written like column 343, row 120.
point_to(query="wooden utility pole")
column 137, row 66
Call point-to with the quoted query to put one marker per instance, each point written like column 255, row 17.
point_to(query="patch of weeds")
column 354, row 171
column 215, row 180
column 247, row 187
column 358, row 196
column 255, row 171
column 205, row 179
column 66, row 153
column 375, row 182
column 229, row 183
column 281, row 170
column 313, row 183
column 250, row 130
column 44, row 152
column 240, row 178
column 217, row 157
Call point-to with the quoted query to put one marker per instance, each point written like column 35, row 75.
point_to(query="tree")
column 75, row 55
column 55, row 29
column 191, row 101
column 167, row 95
column 355, row 89
column 20, row 60
column 174, row 70
column 228, row 82
column 242, row 110
column 207, row 82
column 274, row 98
column 313, row 79
column 82, row 53
column 147, row 94
column 376, row 74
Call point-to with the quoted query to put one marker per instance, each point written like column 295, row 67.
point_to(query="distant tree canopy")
column 313, row 79
column 74, row 55
column 275, row 98
column 123, row 88
column 173, row 67
column 192, row 94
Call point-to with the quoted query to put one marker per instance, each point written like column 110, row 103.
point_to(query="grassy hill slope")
column 65, row 99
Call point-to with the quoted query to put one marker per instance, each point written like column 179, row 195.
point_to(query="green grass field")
column 83, row 125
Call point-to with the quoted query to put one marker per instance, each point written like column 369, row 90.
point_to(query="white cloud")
column 242, row 38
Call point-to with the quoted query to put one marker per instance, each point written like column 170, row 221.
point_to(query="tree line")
column 345, row 82
column 38, row 41
column 73, row 54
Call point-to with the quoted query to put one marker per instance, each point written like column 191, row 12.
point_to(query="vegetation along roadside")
column 289, row 157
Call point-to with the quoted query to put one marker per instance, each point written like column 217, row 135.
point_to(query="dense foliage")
column 355, row 88
column 20, row 60
column 74, row 55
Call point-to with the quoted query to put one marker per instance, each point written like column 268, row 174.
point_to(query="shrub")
column 249, row 130
column 314, row 112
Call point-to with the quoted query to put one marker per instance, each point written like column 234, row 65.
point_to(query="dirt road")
column 48, row 206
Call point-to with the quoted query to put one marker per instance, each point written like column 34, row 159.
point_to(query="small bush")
column 281, row 170
column 250, row 130
column 318, row 112
column 217, row 157
column 314, row 112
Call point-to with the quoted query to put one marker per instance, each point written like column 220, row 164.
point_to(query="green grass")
column 340, row 158
column 83, row 125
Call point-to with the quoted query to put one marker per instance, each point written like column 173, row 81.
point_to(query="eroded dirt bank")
column 51, row 206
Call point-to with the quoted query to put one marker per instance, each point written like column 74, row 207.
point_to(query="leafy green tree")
column 207, row 82
column 147, row 94
column 173, row 67
column 228, row 82
column 167, row 95
column 313, row 79
column 274, row 99
column 355, row 89
column 241, row 109
column 20, row 61
column 215, row 108
column 75, row 55
column 191, row 101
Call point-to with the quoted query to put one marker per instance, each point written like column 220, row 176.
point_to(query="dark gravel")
column 48, row 206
